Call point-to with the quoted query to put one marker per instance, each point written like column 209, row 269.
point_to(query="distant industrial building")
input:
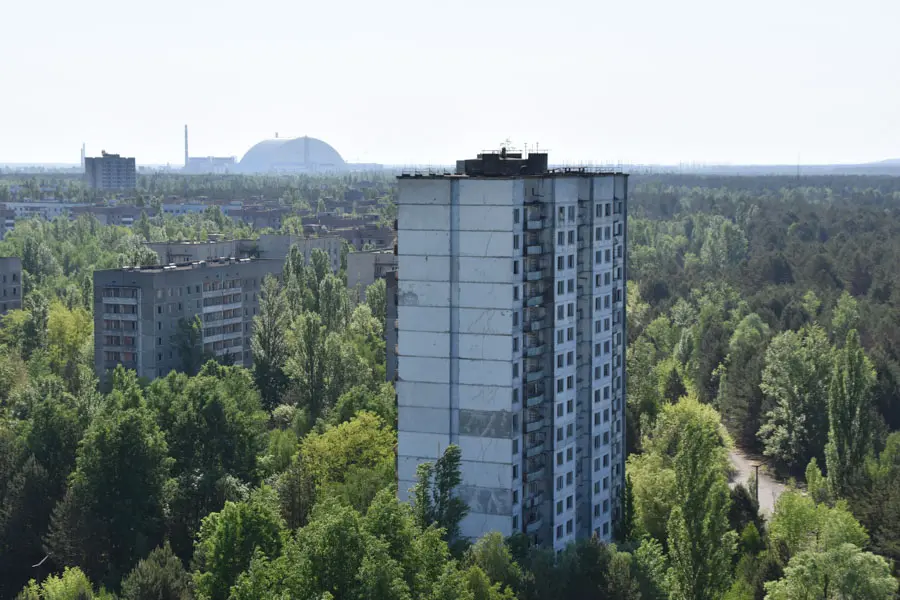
column 206, row 164
column 364, row 268
column 138, row 312
column 110, row 172
column 297, row 155
column 511, row 342
column 10, row 284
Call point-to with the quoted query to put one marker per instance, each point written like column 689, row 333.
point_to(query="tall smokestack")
column 185, row 147
column 82, row 155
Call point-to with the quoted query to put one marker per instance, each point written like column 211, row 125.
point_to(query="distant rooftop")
column 220, row 262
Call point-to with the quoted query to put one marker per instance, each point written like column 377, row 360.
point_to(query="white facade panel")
column 419, row 368
column 423, row 268
column 485, row 347
column 423, row 293
column 424, row 343
column 484, row 372
column 486, row 243
column 604, row 188
column 486, row 295
column 423, row 243
column 488, row 191
column 425, row 420
column 485, row 270
column 485, row 218
column 487, row 475
column 485, row 449
column 418, row 393
column 425, row 191
column 491, row 321
column 424, row 446
column 483, row 397
column 424, row 318
column 475, row 525
column 416, row 216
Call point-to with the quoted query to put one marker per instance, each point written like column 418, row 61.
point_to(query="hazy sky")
column 419, row 82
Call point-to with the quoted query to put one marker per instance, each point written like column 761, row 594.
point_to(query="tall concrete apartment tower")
column 511, row 341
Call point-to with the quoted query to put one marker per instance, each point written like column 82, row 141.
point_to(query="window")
column 598, row 280
column 559, row 409
column 569, row 454
column 515, row 471
column 515, row 267
column 571, row 237
column 560, row 263
column 597, row 399
column 570, row 286
column 515, row 292
column 606, row 347
column 559, row 482
column 559, row 385
column 515, row 396
column 598, row 257
column 560, row 288
column 159, row 310
column 570, row 358
column 570, row 310
column 570, row 382
column 515, row 450
column 559, row 434
column 159, row 325
column 570, row 261
column 572, row 214
column 598, row 234
column 597, row 349
column 607, row 256
column 569, row 405
column 606, row 529
column 515, row 215
column 606, row 415
column 596, row 510
column 570, row 334
column 515, row 344
column 606, row 460
column 570, row 430
column 515, row 520
column 559, row 507
column 560, row 312
column 606, row 301
column 569, row 526
column 561, row 214
column 559, row 336
column 560, row 238
column 559, row 458
column 570, row 478
column 515, row 318
column 559, row 531
column 515, row 242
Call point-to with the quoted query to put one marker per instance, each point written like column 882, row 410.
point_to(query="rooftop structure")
column 298, row 155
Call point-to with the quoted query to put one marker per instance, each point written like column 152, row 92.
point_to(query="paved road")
column 769, row 488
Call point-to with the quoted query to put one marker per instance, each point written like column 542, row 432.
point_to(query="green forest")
column 763, row 314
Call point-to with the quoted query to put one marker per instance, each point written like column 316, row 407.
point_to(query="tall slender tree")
column 269, row 343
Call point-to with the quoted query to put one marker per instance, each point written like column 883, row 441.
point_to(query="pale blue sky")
column 403, row 82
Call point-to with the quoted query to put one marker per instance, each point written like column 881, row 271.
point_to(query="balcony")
column 534, row 400
column 534, row 351
column 534, row 525
column 120, row 316
column 535, row 425
column 532, row 451
column 534, row 325
column 535, row 500
column 534, row 249
column 535, row 300
column 535, row 375
column 221, row 291
column 119, row 300
column 535, row 274
column 220, row 307
column 534, row 224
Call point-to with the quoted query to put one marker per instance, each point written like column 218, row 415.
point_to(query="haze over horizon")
column 407, row 83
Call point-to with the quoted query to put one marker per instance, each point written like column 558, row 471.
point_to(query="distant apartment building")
column 10, row 284
column 110, row 172
column 138, row 312
column 365, row 268
column 511, row 341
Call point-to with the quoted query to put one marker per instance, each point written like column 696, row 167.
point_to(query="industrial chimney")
column 185, row 147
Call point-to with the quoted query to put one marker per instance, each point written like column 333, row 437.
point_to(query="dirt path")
column 769, row 488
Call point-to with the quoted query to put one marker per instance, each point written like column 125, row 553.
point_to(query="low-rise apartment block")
column 10, row 283
column 365, row 268
column 139, row 311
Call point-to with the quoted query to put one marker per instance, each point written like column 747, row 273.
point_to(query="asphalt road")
column 769, row 488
